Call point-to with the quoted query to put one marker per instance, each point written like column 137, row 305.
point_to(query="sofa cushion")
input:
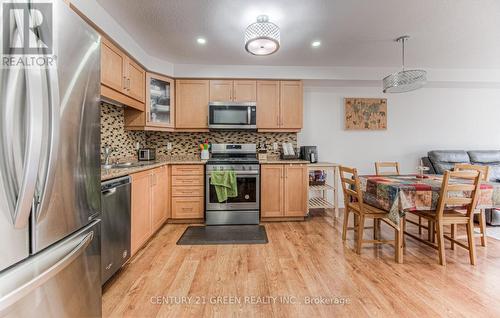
column 485, row 156
column 495, row 173
column 443, row 160
column 488, row 158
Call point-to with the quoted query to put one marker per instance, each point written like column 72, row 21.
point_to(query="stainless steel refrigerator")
column 50, row 178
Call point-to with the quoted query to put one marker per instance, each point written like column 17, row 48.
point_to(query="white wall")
column 419, row 121
column 102, row 19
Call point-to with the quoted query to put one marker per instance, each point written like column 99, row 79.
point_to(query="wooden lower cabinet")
column 150, row 204
column 141, row 209
column 187, row 207
column 284, row 190
column 271, row 189
column 188, row 201
column 159, row 195
column 296, row 190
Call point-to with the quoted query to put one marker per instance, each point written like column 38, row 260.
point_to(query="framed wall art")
column 365, row 113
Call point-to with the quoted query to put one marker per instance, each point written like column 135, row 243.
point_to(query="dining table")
column 398, row 194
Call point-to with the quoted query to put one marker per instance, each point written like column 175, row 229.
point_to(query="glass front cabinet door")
column 160, row 101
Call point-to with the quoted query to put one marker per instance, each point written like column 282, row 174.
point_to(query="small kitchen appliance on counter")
column 146, row 154
column 309, row 153
column 288, row 152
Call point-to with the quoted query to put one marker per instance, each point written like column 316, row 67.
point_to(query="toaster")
column 146, row 154
column 309, row 153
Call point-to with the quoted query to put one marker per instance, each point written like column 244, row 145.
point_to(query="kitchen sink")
column 128, row 164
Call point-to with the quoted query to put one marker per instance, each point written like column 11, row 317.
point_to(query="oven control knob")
column 247, row 197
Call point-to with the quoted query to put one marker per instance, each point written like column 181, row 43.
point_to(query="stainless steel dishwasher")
column 115, row 227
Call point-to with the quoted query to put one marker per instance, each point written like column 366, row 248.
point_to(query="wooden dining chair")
column 454, row 210
column 381, row 168
column 485, row 173
column 385, row 169
column 353, row 202
column 392, row 168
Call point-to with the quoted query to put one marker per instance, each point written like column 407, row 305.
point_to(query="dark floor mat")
column 223, row 234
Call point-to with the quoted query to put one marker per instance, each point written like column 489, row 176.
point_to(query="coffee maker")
column 309, row 153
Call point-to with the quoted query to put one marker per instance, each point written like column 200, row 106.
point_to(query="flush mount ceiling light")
column 262, row 37
column 404, row 80
column 201, row 40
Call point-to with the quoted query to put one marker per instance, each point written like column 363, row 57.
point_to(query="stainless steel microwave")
column 232, row 115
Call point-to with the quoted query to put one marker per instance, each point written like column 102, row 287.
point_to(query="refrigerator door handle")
column 53, row 105
column 32, row 149
column 22, row 290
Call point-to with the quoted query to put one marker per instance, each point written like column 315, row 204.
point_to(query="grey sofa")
column 439, row 161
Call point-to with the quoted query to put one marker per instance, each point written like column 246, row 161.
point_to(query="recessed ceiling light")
column 316, row 43
column 201, row 40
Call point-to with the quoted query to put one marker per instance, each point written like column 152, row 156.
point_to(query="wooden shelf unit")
column 318, row 194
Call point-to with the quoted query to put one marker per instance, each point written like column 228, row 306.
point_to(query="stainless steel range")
column 244, row 208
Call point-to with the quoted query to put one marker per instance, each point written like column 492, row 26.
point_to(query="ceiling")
column 353, row 33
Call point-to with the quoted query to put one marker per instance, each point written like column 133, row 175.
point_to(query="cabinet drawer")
column 187, row 208
column 187, row 170
column 181, row 191
column 187, row 180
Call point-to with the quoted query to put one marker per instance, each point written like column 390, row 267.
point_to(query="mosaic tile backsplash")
column 187, row 143
column 114, row 135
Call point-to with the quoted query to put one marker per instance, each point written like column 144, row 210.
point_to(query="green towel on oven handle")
column 225, row 184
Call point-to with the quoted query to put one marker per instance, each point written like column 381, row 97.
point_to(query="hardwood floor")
column 303, row 259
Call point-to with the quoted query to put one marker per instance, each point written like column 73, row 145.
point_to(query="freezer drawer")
column 62, row 281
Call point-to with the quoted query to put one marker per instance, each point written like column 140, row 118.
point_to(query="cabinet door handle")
column 124, row 82
column 128, row 83
column 278, row 120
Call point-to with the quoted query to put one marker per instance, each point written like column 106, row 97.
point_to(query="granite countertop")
column 281, row 161
column 112, row 173
column 278, row 160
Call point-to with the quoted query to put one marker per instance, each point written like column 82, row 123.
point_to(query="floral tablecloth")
column 398, row 194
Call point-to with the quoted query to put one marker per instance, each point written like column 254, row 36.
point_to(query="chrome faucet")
column 107, row 152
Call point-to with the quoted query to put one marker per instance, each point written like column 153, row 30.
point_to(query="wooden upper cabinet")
column 141, row 209
column 291, row 104
column 112, row 66
column 221, row 90
column 136, row 80
column 268, row 104
column 233, row 91
column 192, row 97
column 122, row 79
column 244, row 91
column 160, row 97
column 272, row 189
column 295, row 192
column 159, row 114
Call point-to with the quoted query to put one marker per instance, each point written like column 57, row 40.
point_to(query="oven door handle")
column 242, row 173
column 249, row 115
